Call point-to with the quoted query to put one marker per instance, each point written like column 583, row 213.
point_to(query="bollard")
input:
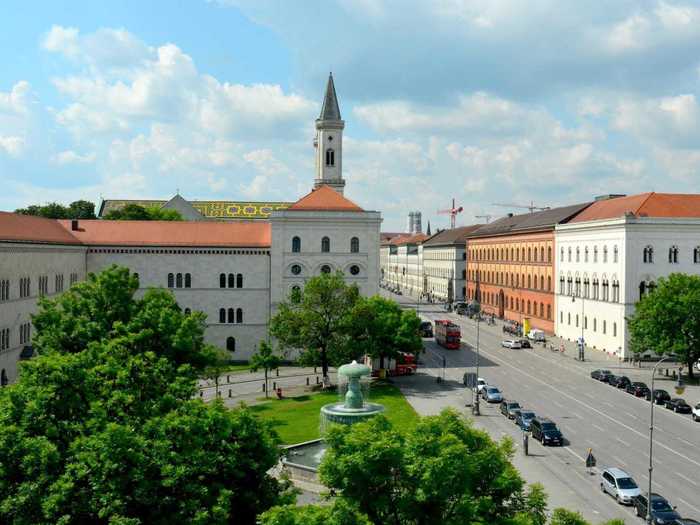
column 277, row 372
column 263, row 387
column 229, row 393
column 228, row 379
column 314, row 370
column 274, row 385
column 307, row 380
column 317, row 380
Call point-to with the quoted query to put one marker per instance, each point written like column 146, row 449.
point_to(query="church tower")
column 329, row 142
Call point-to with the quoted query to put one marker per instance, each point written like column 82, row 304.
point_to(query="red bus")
column 447, row 334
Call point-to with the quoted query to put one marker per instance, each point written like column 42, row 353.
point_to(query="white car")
column 695, row 414
column 511, row 343
column 619, row 485
column 480, row 385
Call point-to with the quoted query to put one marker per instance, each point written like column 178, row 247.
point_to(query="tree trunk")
column 266, row 386
column 690, row 364
column 216, row 382
column 324, row 367
column 381, row 361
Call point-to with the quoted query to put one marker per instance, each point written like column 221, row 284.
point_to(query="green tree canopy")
column 315, row 321
column 134, row 212
column 380, row 328
column 339, row 513
column 80, row 209
column 443, row 471
column 667, row 320
column 104, row 426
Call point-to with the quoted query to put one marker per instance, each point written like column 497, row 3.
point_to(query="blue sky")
column 482, row 100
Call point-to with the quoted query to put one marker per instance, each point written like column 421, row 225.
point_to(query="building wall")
column 444, row 270
column 515, row 274
column 18, row 261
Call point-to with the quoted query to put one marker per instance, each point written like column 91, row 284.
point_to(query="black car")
column 546, row 431
column 661, row 511
column 686, row 521
column 426, row 329
column 600, row 374
column 611, row 379
column 679, row 405
column 524, row 343
column 660, row 396
column 621, row 382
column 637, row 388
column 507, row 408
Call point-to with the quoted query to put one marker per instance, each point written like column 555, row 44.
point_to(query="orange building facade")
column 515, row 277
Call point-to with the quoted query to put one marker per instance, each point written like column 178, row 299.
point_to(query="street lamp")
column 582, row 343
column 475, row 407
column 679, row 390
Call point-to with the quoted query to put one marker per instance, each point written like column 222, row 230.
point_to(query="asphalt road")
column 614, row 424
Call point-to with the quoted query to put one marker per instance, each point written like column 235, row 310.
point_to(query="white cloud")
column 13, row 146
column 71, row 157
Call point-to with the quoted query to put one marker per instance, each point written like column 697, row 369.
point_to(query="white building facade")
column 612, row 254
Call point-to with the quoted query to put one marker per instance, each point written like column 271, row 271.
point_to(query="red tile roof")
column 324, row 198
column 26, row 228
column 416, row 238
column 650, row 204
column 248, row 234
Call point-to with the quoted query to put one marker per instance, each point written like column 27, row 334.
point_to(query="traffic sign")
column 470, row 379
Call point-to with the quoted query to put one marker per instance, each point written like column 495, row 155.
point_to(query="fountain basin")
column 341, row 414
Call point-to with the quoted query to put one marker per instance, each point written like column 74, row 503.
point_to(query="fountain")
column 303, row 459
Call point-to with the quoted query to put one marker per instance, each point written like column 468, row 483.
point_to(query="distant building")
column 414, row 222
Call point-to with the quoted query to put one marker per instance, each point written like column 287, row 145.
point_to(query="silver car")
column 619, row 485
column 492, row 394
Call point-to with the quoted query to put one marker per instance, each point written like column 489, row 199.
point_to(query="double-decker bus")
column 447, row 334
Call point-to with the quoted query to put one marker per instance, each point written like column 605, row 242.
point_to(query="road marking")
column 598, row 427
column 620, row 461
column 609, row 404
column 573, row 453
column 686, row 478
column 632, row 416
column 558, row 404
column 685, row 441
column 574, row 414
column 689, row 505
column 623, row 442
column 603, row 414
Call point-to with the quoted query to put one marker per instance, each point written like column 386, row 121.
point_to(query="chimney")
column 510, row 214
column 74, row 225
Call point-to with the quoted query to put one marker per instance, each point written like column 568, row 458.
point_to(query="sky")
column 489, row 102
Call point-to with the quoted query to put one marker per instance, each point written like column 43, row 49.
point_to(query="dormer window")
column 330, row 157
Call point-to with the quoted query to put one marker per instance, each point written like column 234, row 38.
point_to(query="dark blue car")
column 524, row 418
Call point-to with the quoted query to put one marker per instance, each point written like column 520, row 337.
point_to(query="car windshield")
column 513, row 405
column 549, row 426
column 660, row 505
column 527, row 415
column 626, row 483
column 493, row 390
column 607, row 372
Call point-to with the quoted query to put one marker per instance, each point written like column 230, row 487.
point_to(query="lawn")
column 296, row 419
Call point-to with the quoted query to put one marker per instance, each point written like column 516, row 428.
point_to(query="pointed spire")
column 330, row 109
column 427, row 232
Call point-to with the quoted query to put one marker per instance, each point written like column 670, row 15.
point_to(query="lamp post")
column 582, row 341
column 475, row 407
column 679, row 387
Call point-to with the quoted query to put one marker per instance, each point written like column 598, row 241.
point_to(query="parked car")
column 660, row 396
column 536, row 335
column 619, row 485
column 480, row 386
column 426, row 329
column 512, row 328
column 545, row 431
column 686, row 521
column 524, row 343
column 678, row 405
column 492, row 394
column 662, row 513
column 611, row 379
column 599, row 374
column 621, row 382
column 507, row 408
column 511, row 343
column 696, row 412
column 524, row 419
column 637, row 388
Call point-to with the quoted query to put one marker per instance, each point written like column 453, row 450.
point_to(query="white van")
column 536, row 335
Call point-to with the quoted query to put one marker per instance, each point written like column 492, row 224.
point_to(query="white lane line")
column 686, row 478
column 620, row 461
column 686, row 442
column 689, row 505
column 574, row 414
column 623, row 442
column 558, row 404
column 603, row 414
column 573, row 453
column 632, row 416
column 598, row 427
column 608, row 404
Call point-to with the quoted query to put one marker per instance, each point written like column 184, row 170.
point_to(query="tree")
column 443, row 471
column 135, row 212
column 218, row 365
column 265, row 359
column 315, row 322
column 104, row 427
column 379, row 328
column 667, row 320
column 339, row 513
column 80, row 209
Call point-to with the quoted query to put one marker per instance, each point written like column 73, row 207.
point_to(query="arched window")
column 327, row 269
column 239, row 280
column 561, row 254
column 615, row 253
column 222, row 280
column 541, row 309
column 529, row 282
column 3, row 378
column 231, row 344
column 542, row 254
column 673, row 254
column 171, row 280
column 605, row 254
column 696, row 255
column 541, row 282
column 239, row 315
column 178, row 280
column 230, row 315
column 354, row 245
column 585, row 254
column 188, row 280
column 231, row 280
column 595, row 254
column 642, row 289
column 330, row 157
column 648, row 254
column 549, row 283
column 569, row 254
column 222, row 315
column 296, row 244
column 529, row 254
column 578, row 254
column 528, row 308
column 325, row 245
column 549, row 312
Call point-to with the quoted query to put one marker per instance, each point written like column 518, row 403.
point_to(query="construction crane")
column 531, row 207
column 487, row 217
column 452, row 212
